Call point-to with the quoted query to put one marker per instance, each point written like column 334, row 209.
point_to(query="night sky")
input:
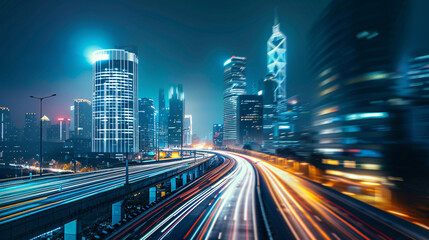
column 45, row 48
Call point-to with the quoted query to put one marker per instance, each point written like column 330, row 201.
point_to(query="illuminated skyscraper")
column 176, row 116
column 276, row 64
column 270, row 107
column 188, row 130
column 217, row 135
column 114, row 103
column 81, row 118
column 163, row 120
column 5, row 124
column 146, row 125
column 234, row 85
column 249, row 114
column 31, row 129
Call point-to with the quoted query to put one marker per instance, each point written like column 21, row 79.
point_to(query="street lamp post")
column 41, row 123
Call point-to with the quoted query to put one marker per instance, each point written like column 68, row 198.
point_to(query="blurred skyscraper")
column 163, row 120
column 176, row 116
column 147, row 125
column 234, row 86
column 188, row 130
column 249, row 115
column 81, row 115
column 115, row 118
column 277, row 64
column 358, row 120
column 418, row 76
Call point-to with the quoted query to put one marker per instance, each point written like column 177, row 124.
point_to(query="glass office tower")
column 115, row 118
column 234, row 85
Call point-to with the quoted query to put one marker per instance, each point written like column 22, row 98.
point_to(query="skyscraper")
column 82, row 118
column 114, row 102
column 277, row 64
column 357, row 119
column 31, row 128
column 217, row 135
column 162, row 120
column 176, row 116
column 418, row 76
column 249, row 115
column 5, row 124
column 270, row 108
column 234, row 85
column 146, row 125
column 188, row 130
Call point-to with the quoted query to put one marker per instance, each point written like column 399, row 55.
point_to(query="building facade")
column 31, row 128
column 217, row 135
column 358, row 116
column 147, row 115
column 5, row 124
column 418, row 76
column 188, row 130
column 162, row 120
column 114, row 103
column 234, row 86
column 250, row 119
column 270, row 108
column 81, row 118
column 176, row 116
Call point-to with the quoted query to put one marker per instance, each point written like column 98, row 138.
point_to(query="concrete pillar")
column 152, row 194
column 184, row 178
column 173, row 184
column 116, row 212
column 190, row 175
column 70, row 230
column 196, row 172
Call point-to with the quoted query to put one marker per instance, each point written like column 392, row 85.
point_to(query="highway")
column 218, row 205
column 24, row 197
column 313, row 211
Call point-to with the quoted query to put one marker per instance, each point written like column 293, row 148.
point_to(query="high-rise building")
column 357, row 119
column 114, row 101
column 5, row 124
column 418, row 76
column 176, row 116
column 188, row 130
column 31, row 128
column 249, row 115
column 46, row 125
column 59, row 131
column 234, row 85
column 217, row 135
column 147, row 115
column 270, row 108
column 277, row 64
column 162, row 120
column 81, row 115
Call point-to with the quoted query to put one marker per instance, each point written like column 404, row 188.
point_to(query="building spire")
column 276, row 17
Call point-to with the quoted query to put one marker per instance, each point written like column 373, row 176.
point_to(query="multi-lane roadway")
column 218, row 205
column 24, row 197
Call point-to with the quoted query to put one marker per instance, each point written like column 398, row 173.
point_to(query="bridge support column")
column 191, row 175
column 71, row 230
column 173, row 184
column 196, row 172
column 184, row 178
column 116, row 212
column 152, row 194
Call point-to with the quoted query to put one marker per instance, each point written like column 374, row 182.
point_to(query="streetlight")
column 41, row 116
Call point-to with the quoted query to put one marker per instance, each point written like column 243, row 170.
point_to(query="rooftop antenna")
column 276, row 17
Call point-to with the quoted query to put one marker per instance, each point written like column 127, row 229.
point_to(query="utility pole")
column 41, row 124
